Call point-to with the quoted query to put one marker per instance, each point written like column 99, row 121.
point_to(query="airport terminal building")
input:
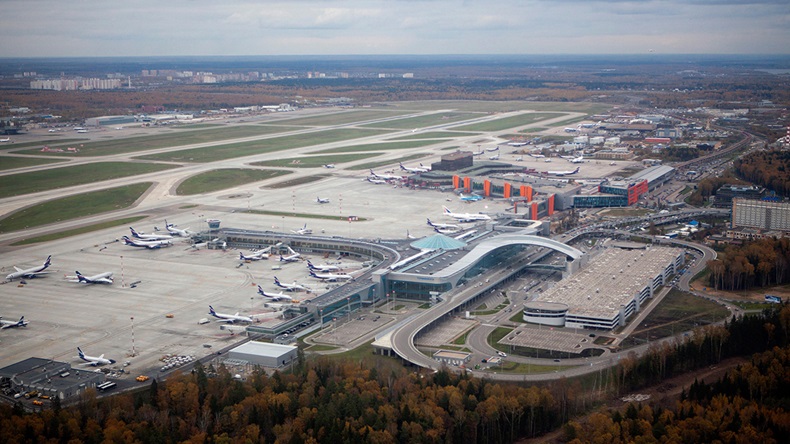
column 608, row 291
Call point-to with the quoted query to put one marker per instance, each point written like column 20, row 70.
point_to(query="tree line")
column 758, row 263
column 770, row 169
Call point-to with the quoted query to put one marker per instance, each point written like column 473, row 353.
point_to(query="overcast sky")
column 33, row 28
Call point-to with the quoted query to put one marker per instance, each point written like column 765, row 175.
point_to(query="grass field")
column 233, row 150
column 342, row 118
column 51, row 140
column 35, row 181
column 296, row 181
column 176, row 138
column 507, row 122
column 73, row 207
column 10, row 163
column 222, row 179
column 300, row 215
column 378, row 146
column 80, row 230
column 490, row 106
column 678, row 311
column 434, row 135
column 314, row 161
column 369, row 165
column 423, row 121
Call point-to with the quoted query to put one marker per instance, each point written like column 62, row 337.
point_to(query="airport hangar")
column 495, row 246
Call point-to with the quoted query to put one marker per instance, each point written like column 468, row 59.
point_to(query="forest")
column 759, row 263
column 323, row 400
column 770, row 169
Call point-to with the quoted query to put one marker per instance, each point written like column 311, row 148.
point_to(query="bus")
column 106, row 385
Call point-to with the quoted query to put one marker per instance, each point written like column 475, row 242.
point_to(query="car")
column 502, row 354
column 556, row 360
column 37, row 402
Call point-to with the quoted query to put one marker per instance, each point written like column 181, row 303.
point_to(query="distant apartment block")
column 75, row 84
column 760, row 214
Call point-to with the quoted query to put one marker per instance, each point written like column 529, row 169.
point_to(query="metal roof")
column 438, row 242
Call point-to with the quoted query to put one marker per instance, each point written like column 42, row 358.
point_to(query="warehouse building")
column 761, row 214
column 264, row 354
column 48, row 377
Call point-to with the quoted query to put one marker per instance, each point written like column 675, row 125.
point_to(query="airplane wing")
column 17, row 268
column 103, row 281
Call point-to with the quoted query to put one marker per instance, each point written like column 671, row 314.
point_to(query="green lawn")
column 434, row 135
column 314, row 161
column 507, row 122
column 35, row 181
column 369, row 165
column 423, row 121
column 52, row 141
column 296, row 181
column 241, row 149
column 177, row 138
column 341, row 118
column 221, row 179
column 73, row 207
column 378, row 146
column 80, row 230
column 491, row 106
column 10, row 163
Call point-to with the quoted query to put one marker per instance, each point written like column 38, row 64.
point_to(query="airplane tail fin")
column 276, row 281
column 134, row 233
column 446, row 210
column 48, row 261
column 79, row 351
column 211, row 310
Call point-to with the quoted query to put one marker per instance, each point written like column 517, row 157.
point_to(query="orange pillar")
column 551, row 204
column 534, row 214
column 507, row 190
column 487, row 188
column 529, row 193
column 456, row 182
column 468, row 184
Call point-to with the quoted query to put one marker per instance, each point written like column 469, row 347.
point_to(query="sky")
column 66, row 28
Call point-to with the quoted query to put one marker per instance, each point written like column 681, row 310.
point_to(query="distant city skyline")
column 56, row 28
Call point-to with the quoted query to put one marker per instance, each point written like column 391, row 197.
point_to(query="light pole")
column 134, row 352
column 123, row 285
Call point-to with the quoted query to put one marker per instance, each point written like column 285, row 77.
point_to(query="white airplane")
column 385, row 176
column 277, row 306
column 304, row 230
column 293, row 257
column 612, row 163
column 446, row 231
column 443, row 226
column 470, row 198
column 465, row 217
column 274, row 296
column 537, row 156
column 30, row 272
column 413, row 170
column 7, row 139
column 409, row 236
column 517, row 143
column 232, row 318
column 376, row 181
column 426, row 168
column 322, row 267
column 322, row 200
column 13, row 324
column 563, row 173
column 496, row 148
column 94, row 360
column 579, row 159
column 152, row 244
column 519, row 159
column 258, row 255
column 149, row 237
column 101, row 278
column 176, row 231
column 329, row 165
column 494, row 157
column 331, row 277
column 290, row 287
column 571, row 130
column 548, row 159
column 479, row 153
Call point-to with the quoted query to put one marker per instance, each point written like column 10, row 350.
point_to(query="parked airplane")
column 101, row 278
column 293, row 257
column 537, row 156
column 331, row 277
column 322, row 200
column 571, row 130
column 563, row 173
column 146, row 243
column 274, row 296
column 446, row 231
column 176, row 231
column 150, row 237
column 329, row 165
column 496, row 148
column 232, row 318
column 376, row 181
column 413, row 170
column 470, row 198
column 322, row 267
column 443, row 226
column 426, row 168
column 409, row 236
column 277, row 306
column 517, row 143
column 13, row 324
column 94, row 360
column 258, row 255
column 30, row 272
column 7, row 139
column 304, row 230
column 579, row 159
column 495, row 157
column 291, row 287
column 385, row 176
column 479, row 153
column 465, row 217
